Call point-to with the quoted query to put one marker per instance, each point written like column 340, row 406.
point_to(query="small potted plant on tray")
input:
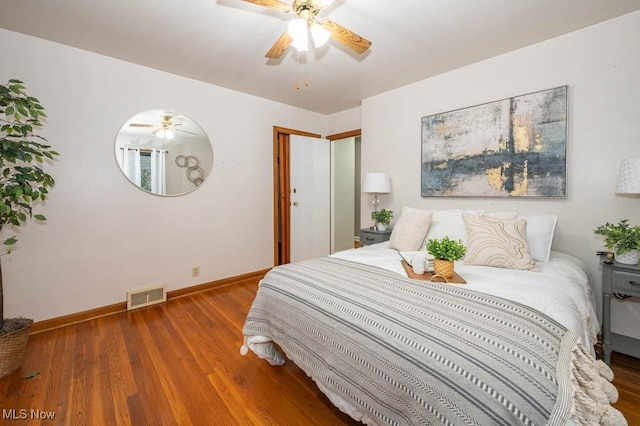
column 445, row 251
column 623, row 239
column 382, row 218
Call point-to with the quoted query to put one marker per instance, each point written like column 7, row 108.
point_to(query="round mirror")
column 164, row 152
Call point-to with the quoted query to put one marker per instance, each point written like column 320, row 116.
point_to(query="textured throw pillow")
column 499, row 243
column 410, row 230
column 540, row 230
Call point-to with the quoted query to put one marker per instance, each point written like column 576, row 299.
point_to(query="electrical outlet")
column 195, row 271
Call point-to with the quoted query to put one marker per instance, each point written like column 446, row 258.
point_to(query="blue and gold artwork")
column 514, row 147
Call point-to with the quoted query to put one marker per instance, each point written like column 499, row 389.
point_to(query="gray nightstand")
column 625, row 280
column 371, row 236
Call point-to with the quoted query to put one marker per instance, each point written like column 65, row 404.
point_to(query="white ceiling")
column 224, row 41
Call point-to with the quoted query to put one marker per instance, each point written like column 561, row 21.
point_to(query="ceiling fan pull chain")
column 306, row 74
column 306, row 81
column 298, row 71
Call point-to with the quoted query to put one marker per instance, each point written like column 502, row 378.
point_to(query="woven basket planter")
column 444, row 268
column 12, row 350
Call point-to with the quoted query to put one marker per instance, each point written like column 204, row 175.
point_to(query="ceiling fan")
column 306, row 23
column 165, row 129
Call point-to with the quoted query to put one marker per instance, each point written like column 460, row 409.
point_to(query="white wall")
column 104, row 235
column 601, row 66
column 344, row 121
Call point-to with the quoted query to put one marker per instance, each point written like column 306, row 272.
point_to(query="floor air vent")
column 146, row 296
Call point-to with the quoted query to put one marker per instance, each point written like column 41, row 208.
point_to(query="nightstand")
column 622, row 280
column 371, row 236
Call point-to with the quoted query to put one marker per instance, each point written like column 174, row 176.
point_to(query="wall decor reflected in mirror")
column 164, row 152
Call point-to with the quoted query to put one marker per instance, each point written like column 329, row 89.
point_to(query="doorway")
column 345, row 193
column 283, row 191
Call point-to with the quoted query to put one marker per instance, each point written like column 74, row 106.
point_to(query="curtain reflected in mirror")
column 164, row 152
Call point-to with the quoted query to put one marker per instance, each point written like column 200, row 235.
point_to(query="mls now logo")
column 23, row 414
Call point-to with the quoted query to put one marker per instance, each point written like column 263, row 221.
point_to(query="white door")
column 310, row 177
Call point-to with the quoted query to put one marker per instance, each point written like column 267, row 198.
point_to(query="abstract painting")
column 514, row 147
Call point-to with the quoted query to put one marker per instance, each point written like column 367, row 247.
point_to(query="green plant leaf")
column 446, row 249
column 10, row 241
column 22, row 182
column 621, row 236
column 32, row 374
column 382, row 216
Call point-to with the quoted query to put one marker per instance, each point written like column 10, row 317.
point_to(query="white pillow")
column 500, row 215
column 409, row 231
column 540, row 230
column 449, row 223
column 500, row 243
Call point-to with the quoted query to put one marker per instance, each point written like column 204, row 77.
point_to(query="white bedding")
column 559, row 288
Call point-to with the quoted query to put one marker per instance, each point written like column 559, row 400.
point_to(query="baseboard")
column 53, row 323
column 215, row 284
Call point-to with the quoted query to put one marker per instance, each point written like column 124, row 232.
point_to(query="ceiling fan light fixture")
column 166, row 128
column 298, row 29
column 319, row 35
column 301, row 44
column 324, row 3
column 165, row 134
column 299, row 32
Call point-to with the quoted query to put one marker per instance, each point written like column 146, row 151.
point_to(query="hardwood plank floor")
column 179, row 364
column 627, row 380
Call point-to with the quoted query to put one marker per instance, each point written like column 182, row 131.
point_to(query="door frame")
column 282, row 188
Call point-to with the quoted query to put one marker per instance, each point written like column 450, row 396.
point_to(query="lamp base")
column 375, row 202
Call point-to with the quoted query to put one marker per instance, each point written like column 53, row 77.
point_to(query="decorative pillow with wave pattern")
column 498, row 243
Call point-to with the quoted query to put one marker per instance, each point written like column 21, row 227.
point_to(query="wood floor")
column 179, row 364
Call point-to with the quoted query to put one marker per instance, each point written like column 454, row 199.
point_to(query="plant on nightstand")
column 623, row 239
column 445, row 251
column 22, row 184
column 382, row 218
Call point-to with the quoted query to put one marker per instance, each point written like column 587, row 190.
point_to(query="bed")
column 512, row 346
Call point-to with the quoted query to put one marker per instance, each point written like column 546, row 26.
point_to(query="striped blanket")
column 387, row 349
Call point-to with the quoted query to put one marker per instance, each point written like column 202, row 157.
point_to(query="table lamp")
column 376, row 183
column 629, row 178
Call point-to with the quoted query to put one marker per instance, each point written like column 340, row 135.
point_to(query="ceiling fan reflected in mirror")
column 166, row 128
column 306, row 27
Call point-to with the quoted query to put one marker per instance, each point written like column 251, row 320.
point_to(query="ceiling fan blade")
column 142, row 125
column 186, row 131
column 350, row 39
column 272, row 4
column 279, row 46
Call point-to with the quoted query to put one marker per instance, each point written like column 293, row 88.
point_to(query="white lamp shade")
column 629, row 178
column 376, row 183
column 319, row 35
column 324, row 3
column 299, row 32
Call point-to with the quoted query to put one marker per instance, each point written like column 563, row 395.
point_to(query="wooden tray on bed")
column 428, row 276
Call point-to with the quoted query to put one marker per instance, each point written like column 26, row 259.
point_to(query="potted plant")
column 382, row 218
column 445, row 251
column 22, row 183
column 623, row 239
